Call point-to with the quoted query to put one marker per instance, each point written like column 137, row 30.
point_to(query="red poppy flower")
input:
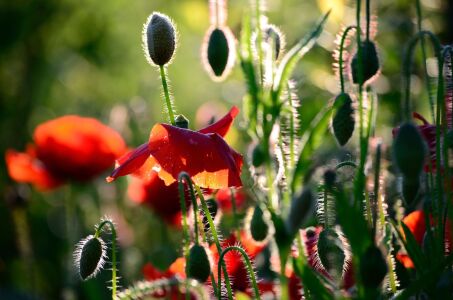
column 223, row 198
column 236, row 269
column 66, row 148
column 149, row 189
column 176, row 269
column 416, row 223
column 203, row 154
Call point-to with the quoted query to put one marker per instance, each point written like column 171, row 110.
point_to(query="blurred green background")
column 85, row 57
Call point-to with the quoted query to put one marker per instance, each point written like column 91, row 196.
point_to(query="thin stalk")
column 259, row 39
column 215, row 238
column 171, row 114
column 248, row 265
column 235, row 217
column 425, row 69
column 326, row 214
column 377, row 172
column 340, row 58
column 368, row 17
column 292, row 132
column 392, row 278
column 113, row 230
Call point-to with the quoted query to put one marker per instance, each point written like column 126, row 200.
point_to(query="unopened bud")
column 159, row 39
column 89, row 256
column 198, row 267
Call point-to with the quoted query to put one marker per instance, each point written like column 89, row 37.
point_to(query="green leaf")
column 311, row 281
column 289, row 61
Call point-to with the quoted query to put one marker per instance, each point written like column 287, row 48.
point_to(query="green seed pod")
column 331, row 252
column 273, row 35
column 301, row 207
column 370, row 62
column 159, row 39
column 89, row 256
column 258, row 156
column 410, row 190
column 409, row 151
column 181, row 121
column 373, row 267
column 344, row 120
column 259, row 229
column 199, row 267
column 219, row 52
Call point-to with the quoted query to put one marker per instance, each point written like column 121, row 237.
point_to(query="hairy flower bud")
column 331, row 252
column 409, row 151
column 370, row 62
column 373, row 267
column 181, row 121
column 259, row 229
column 159, row 39
column 89, row 256
column 198, row 267
column 218, row 52
column 344, row 120
column 257, row 155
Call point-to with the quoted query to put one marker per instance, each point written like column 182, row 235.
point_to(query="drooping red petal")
column 77, row 148
column 24, row 167
column 222, row 126
column 207, row 158
column 130, row 162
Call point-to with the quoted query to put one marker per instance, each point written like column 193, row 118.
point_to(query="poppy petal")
column 23, row 167
column 130, row 162
column 206, row 157
column 222, row 126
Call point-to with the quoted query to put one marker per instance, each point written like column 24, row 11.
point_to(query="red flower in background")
column 223, row 198
column 203, row 154
column 148, row 188
column 416, row 223
column 67, row 148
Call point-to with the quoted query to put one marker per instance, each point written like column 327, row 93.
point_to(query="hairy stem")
column 113, row 230
column 171, row 114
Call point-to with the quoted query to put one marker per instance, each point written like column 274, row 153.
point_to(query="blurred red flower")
column 223, row 198
column 416, row 223
column 67, row 148
column 203, row 154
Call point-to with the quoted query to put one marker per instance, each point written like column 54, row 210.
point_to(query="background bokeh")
column 85, row 57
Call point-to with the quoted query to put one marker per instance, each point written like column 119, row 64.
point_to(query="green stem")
column 425, row 69
column 377, row 172
column 113, row 230
column 368, row 17
column 182, row 196
column 215, row 238
column 248, row 265
column 171, row 114
column 340, row 58
column 259, row 39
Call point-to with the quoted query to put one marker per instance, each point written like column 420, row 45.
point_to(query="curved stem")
column 248, row 264
column 113, row 230
column 347, row 163
column 171, row 114
column 340, row 59
column 216, row 239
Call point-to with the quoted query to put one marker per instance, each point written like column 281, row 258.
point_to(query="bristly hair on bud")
column 159, row 39
column 89, row 256
column 218, row 52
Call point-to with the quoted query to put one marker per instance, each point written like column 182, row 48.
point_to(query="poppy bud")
column 257, row 156
column 259, row 229
column 301, row 206
column 409, row 151
column 159, row 39
column 181, row 121
column 370, row 62
column 273, row 35
column 331, row 252
column 219, row 52
column 89, row 256
column 373, row 267
column 199, row 267
column 344, row 120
